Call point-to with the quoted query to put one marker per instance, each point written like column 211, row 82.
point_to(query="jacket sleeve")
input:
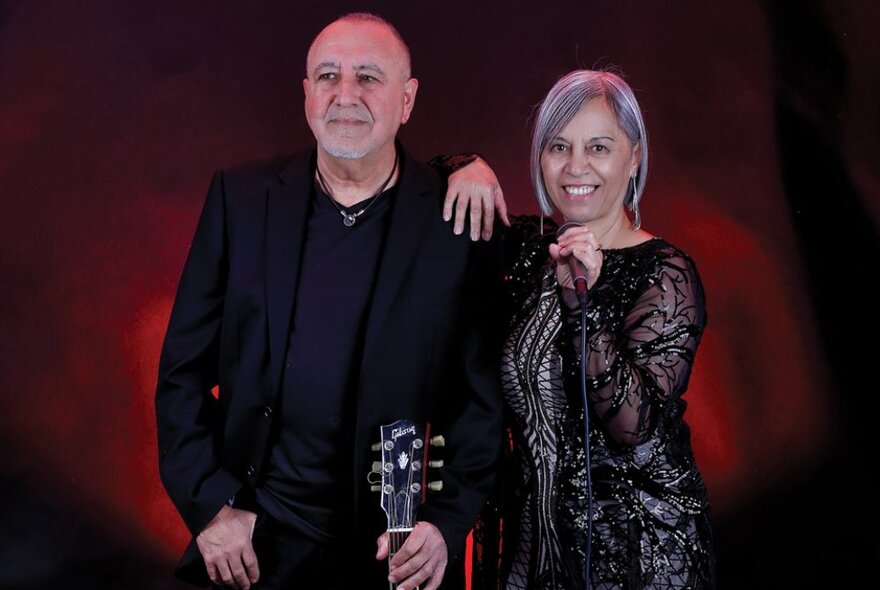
column 473, row 432
column 188, row 416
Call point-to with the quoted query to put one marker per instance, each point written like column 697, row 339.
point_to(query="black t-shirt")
column 308, row 480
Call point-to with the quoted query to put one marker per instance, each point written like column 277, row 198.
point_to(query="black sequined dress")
column 650, row 527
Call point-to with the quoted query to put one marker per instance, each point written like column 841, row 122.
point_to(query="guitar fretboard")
column 396, row 539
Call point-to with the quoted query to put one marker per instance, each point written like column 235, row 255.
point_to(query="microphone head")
column 567, row 226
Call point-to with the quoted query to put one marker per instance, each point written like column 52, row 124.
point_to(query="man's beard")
column 347, row 153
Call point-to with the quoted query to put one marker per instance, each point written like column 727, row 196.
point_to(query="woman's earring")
column 637, row 219
column 541, row 227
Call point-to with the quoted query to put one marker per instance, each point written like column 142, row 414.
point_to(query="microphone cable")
column 579, row 282
column 587, row 478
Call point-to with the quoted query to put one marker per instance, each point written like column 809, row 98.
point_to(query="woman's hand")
column 583, row 244
column 474, row 189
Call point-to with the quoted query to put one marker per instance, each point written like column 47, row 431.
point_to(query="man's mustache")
column 359, row 114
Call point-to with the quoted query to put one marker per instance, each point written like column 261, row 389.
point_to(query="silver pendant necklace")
column 348, row 218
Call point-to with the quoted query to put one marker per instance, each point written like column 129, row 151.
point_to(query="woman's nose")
column 578, row 164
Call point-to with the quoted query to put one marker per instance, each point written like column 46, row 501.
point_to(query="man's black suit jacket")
column 429, row 354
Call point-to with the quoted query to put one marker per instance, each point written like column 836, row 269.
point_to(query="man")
column 325, row 297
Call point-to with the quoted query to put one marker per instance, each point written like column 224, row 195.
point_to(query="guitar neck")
column 403, row 472
column 396, row 539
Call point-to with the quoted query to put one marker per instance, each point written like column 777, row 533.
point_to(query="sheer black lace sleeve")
column 449, row 164
column 645, row 322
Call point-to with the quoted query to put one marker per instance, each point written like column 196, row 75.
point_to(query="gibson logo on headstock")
column 398, row 432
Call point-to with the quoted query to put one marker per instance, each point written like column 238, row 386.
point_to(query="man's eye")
column 327, row 76
column 367, row 78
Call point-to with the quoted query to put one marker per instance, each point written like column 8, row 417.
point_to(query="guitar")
column 403, row 476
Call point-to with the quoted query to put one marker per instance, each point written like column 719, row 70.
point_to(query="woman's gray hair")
column 563, row 102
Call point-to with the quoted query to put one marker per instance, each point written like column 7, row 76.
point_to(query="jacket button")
column 251, row 470
column 267, row 411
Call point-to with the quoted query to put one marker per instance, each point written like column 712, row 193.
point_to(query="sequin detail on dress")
column 651, row 528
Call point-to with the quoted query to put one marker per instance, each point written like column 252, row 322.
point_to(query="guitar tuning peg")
column 377, row 467
column 376, row 446
column 435, row 464
column 438, row 441
column 376, row 488
column 435, row 486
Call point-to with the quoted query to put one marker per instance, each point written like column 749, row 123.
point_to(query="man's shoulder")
column 263, row 171
column 421, row 177
column 425, row 169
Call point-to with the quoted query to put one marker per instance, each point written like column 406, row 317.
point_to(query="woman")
column 645, row 314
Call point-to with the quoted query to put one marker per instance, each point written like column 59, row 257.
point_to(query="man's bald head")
column 369, row 18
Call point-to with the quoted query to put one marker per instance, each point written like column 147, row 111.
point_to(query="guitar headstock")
column 403, row 468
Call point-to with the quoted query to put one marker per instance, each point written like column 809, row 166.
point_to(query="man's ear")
column 410, row 87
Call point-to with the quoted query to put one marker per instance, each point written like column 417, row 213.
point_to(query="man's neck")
column 351, row 181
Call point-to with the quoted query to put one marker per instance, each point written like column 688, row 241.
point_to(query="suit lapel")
column 287, row 215
column 412, row 208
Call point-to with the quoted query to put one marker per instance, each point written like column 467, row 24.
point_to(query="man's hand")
column 422, row 557
column 226, row 546
column 475, row 187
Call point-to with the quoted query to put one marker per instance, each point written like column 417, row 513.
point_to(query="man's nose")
column 348, row 91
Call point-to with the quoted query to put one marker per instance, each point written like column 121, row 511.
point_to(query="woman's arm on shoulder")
column 473, row 192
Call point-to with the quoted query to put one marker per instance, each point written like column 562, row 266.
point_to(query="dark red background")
column 764, row 130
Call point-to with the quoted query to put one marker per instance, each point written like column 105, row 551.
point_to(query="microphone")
column 577, row 270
